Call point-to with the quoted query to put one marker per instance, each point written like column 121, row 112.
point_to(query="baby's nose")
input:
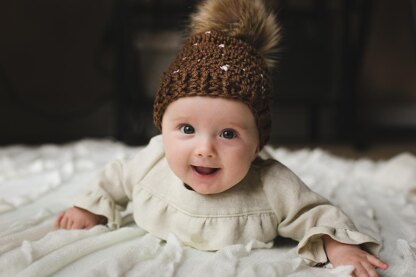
column 205, row 148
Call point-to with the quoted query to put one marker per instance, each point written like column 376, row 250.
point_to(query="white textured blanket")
column 36, row 183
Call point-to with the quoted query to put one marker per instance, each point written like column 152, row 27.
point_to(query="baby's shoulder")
column 270, row 167
column 276, row 177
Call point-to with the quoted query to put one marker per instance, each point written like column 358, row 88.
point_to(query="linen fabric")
column 270, row 201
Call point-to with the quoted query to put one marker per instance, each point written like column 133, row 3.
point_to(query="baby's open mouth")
column 205, row 170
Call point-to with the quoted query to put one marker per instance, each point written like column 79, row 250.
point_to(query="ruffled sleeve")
column 311, row 247
column 110, row 191
column 306, row 216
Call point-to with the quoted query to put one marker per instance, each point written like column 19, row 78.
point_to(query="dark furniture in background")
column 90, row 69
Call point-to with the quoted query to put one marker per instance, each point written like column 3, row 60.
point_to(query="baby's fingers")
column 66, row 223
column 364, row 269
column 360, row 270
column 58, row 220
column 377, row 262
column 369, row 270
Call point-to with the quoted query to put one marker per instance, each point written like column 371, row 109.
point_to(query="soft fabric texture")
column 271, row 201
column 36, row 183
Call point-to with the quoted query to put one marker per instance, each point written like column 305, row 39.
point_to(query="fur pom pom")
column 248, row 20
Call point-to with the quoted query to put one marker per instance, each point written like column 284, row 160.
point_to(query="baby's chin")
column 200, row 189
column 206, row 189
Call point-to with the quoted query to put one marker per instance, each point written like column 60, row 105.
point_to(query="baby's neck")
column 188, row 187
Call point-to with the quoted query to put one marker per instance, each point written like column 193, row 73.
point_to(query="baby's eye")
column 187, row 129
column 228, row 134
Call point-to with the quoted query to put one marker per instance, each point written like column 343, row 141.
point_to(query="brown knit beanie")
column 216, row 64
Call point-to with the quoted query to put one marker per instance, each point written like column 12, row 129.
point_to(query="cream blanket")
column 38, row 182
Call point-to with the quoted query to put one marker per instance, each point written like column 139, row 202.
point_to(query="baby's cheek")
column 240, row 168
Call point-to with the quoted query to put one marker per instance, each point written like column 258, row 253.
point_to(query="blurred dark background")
column 89, row 69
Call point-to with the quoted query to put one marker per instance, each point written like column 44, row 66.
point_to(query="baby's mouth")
column 205, row 170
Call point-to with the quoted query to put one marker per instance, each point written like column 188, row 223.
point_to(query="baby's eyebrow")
column 239, row 125
column 180, row 118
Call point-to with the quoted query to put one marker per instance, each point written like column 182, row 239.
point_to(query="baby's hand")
column 364, row 263
column 77, row 218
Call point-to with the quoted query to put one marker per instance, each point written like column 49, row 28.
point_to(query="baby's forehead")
column 216, row 108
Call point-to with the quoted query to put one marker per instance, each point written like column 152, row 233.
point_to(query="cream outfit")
column 271, row 201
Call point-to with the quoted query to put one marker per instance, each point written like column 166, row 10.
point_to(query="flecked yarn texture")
column 215, row 65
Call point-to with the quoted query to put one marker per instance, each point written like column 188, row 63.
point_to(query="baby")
column 203, row 179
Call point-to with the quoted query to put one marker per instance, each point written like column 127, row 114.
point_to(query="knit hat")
column 227, row 55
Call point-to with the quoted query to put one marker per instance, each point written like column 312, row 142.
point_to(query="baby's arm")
column 77, row 218
column 110, row 191
column 346, row 254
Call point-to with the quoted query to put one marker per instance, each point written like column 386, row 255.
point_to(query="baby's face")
column 209, row 142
